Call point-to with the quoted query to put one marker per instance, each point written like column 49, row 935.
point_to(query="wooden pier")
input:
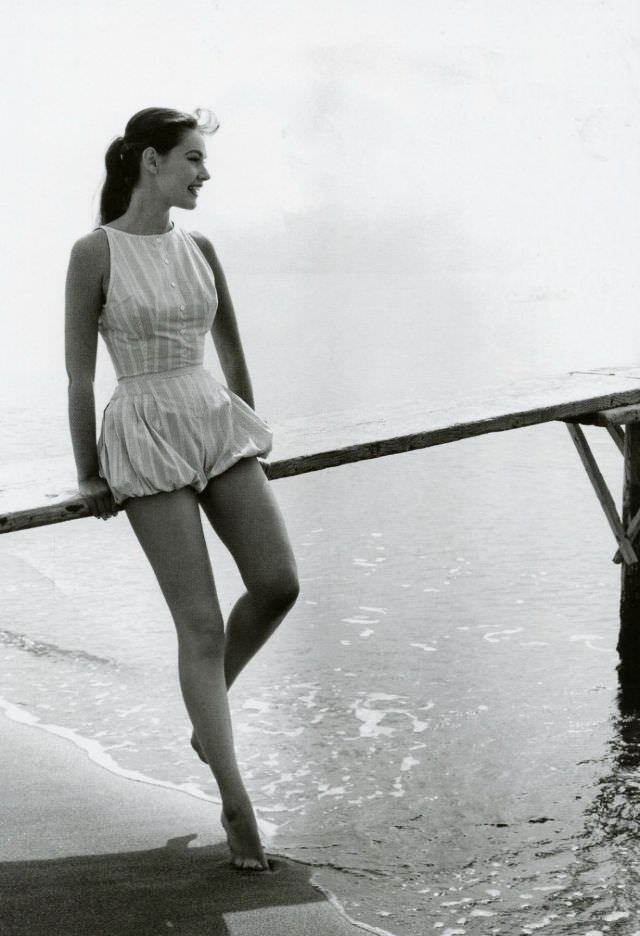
column 606, row 397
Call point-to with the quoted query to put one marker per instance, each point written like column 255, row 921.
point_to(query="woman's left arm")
column 224, row 331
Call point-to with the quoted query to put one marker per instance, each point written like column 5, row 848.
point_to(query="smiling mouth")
column 194, row 189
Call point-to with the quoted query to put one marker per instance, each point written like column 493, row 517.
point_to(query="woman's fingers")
column 96, row 507
column 91, row 507
column 97, row 497
column 108, row 508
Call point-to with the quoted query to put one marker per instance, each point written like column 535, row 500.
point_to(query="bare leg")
column 245, row 515
column 169, row 529
column 249, row 626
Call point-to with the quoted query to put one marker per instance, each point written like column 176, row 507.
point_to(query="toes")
column 238, row 861
column 249, row 864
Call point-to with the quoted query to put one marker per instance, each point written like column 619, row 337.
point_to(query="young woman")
column 173, row 439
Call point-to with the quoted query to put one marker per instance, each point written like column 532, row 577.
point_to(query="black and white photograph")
column 320, row 468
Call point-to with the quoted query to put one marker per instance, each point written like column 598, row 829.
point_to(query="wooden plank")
column 602, row 493
column 341, row 437
column 620, row 416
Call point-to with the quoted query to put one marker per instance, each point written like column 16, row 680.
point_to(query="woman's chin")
column 188, row 203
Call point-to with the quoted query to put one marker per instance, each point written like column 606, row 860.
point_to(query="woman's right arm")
column 83, row 301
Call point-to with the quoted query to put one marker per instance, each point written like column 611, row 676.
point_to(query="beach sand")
column 84, row 852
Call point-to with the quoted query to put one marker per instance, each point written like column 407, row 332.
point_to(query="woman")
column 172, row 437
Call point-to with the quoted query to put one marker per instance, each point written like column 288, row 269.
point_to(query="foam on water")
column 402, row 763
column 98, row 755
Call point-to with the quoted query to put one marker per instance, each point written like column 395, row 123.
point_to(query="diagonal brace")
column 632, row 532
column 617, row 434
column 602, row 493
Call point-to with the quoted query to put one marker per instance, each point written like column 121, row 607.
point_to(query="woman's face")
column 182, row 172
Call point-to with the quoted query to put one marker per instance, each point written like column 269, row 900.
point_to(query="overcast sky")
column 455, row 136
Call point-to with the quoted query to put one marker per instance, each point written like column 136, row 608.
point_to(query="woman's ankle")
column 236, row 805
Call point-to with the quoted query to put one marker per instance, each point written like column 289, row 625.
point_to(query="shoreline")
column 69, row 811
column 98, row 756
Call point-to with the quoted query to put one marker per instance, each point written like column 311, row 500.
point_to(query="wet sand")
column 85, row 851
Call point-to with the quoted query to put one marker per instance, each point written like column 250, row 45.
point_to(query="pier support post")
column 629, row 637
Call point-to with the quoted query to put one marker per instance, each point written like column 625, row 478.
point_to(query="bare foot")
column 244, row 842
column 195, row 744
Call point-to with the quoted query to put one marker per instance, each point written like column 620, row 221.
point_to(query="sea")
column 434, row 727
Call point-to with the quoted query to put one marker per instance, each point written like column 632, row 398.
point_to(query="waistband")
column 151, row 378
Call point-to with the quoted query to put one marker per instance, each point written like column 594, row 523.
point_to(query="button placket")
column 181, row 307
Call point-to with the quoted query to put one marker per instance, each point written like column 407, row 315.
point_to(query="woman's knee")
column 279, row 590
column 201, row 634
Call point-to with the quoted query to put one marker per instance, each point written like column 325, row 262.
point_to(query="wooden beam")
column 602, row 493
column 341, row 437
column 628, row 645
column 618, row 416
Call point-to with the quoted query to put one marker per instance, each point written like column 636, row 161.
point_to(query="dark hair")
column 159, row 127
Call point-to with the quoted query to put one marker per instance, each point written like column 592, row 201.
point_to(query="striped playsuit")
column 169, row 422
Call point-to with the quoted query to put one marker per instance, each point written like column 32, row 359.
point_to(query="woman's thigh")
column 168, row 526
column 244, row 513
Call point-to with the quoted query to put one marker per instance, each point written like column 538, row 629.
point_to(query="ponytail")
column 123, row 171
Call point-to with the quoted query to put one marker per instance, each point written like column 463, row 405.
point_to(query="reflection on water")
column 601, row 885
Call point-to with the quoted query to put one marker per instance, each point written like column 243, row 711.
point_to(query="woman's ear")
column 150, row 160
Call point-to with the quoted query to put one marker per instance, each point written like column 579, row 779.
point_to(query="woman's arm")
column 83, row 301
column 224, row 331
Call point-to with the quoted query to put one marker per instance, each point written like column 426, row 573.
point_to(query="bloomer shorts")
column 174, row 429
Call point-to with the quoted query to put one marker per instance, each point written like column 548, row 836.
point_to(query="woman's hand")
column 97, row 496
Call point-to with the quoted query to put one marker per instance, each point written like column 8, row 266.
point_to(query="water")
column 434, row 725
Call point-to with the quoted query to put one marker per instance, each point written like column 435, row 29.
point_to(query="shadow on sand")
column 175, row 889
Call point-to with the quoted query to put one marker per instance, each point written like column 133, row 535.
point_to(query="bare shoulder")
column 89, row 263
column 207, row 248
column 91, row 250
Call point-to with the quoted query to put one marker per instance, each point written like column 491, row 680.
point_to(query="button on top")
column 182, row 308
column 165, row 260
column 158, row 240
column 173, row 284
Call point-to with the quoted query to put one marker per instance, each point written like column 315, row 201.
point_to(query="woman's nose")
column 204, row 173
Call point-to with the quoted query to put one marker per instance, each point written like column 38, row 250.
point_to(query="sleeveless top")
column 160, row 303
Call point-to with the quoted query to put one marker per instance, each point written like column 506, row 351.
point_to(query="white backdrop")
column 472, row 137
